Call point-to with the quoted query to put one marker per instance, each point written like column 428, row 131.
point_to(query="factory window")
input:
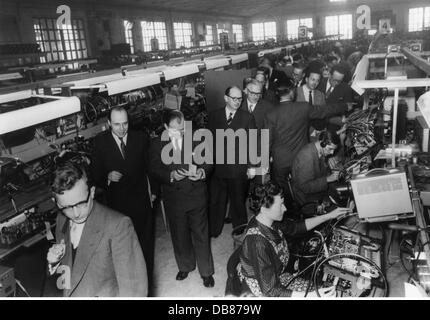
column 128, row 29
column 183, row 33
column 238, row 32
column 263, row 31
column 152, row 30
column 209, row 37
column 339, row 25
column 220, row 28
column 419, row 19
column 64, row 43
column 293, row 27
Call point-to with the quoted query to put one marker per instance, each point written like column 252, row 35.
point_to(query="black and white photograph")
column 225, row 151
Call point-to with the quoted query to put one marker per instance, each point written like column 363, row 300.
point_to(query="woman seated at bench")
column 265, row 254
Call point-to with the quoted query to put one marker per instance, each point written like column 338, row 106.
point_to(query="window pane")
column 427, row 17
column 345, row 26
column 270, row 30
column 257, row 31
column 293, row 29
column 416, row 18
column 331, row 25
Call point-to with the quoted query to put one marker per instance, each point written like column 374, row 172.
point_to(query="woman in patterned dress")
column 265, row 254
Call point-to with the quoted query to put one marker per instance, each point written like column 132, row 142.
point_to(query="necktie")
column 310, row 98
column 122, row 147
column 330, row 89
column 74, row 238
column 251, row 108
column 230, row 118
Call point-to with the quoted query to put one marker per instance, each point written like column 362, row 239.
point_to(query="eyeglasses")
column 236, row 99
column 254, row 93
column 78, row 205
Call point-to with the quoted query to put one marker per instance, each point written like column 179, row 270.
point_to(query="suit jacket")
column 309, row 174
column 242, row 120
column 184, row 193
column 342, row 93
column 262, row 108
column 109, row 261
column 277, row 77
column 318, row 98
column 130, row 194
column 288, row 126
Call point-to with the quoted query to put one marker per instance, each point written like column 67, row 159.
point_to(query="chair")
column 233, row 286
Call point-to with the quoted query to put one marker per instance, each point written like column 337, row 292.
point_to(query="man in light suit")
column 308, row 93
column 96, row 247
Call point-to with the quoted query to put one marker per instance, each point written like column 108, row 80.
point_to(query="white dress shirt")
column 118, row 142
column 306, row 93
column 76, row 230
column 228, row 111
column 251, row 106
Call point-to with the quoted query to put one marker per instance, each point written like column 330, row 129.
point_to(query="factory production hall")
column 216, row 149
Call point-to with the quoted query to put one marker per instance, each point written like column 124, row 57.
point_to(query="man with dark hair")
column 96, row 247
column 185, row 196
column 298, row 74
column 119, row 167
column 288, row 126
column 308, row 91
column 310, row 175
column 275, row 76
column 262, row 76
column 334, row 88
column 229, row 180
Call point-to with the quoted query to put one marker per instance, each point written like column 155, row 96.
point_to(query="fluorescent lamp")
column 132, row 83
column 27, row 117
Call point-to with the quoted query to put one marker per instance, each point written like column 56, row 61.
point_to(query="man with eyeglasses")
column 254, row 104
column 229, row 180
column 119, row 166
column 97, row 249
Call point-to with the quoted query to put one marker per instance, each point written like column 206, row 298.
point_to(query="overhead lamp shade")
column 23, row 118
column 180, row 71
column 239, row 58
column 132, row 83
column 216, row 63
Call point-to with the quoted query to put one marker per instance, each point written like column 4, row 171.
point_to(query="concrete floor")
column 29, row 269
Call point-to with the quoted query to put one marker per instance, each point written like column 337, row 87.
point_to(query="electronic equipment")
column 345, row 240
column 353, row 265
column 7, row 282
column 422, row 132
column 382, row 195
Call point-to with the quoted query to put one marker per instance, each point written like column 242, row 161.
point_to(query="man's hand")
column 333, row 177
column 338, row 212
column 200, row 175
column 177, row 175
column 56, row 252
column 251, row 173
column 114, row 176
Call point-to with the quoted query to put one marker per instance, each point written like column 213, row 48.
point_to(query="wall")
column 103, row 23
column 319, row 9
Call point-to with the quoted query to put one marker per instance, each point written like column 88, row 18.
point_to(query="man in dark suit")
column 119, row 166
column 229, row 180
column 310, row 176
column 185, row 197
column 97, row 250
column 336, row 91
column 262, row 77
column 254, row 104
column 288, row 126
column 275, row 76
column 334, row 88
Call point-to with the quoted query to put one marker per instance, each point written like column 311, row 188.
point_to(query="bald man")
column 254, row 104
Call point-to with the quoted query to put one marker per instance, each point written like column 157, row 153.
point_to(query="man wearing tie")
column 229, row 180
column 119, row 167
column 335, row 89
column 254, row 104
column 185, row 196
column 308, row 91
column 96, row 249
